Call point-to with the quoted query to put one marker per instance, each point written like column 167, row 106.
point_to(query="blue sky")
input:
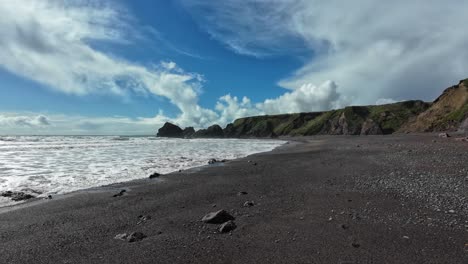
column 126, row 67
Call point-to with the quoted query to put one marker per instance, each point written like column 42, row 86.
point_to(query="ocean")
column 43, row 165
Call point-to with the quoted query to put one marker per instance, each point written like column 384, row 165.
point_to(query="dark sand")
column 375, row 199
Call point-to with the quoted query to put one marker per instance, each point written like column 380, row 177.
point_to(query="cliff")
column 449, row 112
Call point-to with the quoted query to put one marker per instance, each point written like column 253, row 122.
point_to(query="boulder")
column 218, row 217
column 188, row 132
column 170, row 130
column 154, row 175
column 227, row 227
column 214, row 131
column 17, row 196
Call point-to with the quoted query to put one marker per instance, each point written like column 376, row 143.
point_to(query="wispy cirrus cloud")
column 395, row 49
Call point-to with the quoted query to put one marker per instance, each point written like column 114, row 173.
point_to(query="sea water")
column 44, row 165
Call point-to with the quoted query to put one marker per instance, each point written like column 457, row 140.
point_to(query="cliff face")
column 353, row 120
column 447, row 113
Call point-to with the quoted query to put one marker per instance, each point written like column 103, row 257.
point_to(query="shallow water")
column 61, row 164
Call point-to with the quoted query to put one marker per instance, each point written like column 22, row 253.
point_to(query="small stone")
column 406, row 237
column 451, row 211
column 119, row 193
column 227, row 227
column 122, row 236
column 49, row 196
column 255, row 164
column 143, row 218
column 212, row 161
column 249, row 204
column 330, row 219
column 154, row 175
column 218, row 217
column 355, row 244
column 344, row 226
column 242, row 193
column 135, row 236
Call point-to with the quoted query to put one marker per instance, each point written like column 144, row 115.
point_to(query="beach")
column 321, row 199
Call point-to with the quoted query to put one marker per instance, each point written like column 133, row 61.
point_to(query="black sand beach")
column 327, row 199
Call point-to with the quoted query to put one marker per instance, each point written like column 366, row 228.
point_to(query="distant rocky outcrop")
column 447, row 113
column 214, row 131
column 188, row 132
column 170, row 130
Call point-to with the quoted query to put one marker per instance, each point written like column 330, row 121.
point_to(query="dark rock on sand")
column 143, row 218
column 249, row 204
column 242, row 193
column 17, row 196
column 132, row 237
column 170, row 130
column 212, row 161
column 218, row 217
column 119, row 193
column 154, row 175
column 227, row 227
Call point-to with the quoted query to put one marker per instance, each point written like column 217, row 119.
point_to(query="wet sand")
column 324, row 199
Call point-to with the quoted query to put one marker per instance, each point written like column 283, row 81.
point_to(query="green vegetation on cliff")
column 352, row 120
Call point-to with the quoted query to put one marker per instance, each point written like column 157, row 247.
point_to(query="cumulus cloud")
column 14, row 121
column 50, row 42
column 395, row 49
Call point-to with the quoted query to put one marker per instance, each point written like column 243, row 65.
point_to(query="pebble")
column 227, row 227
column 217, row 217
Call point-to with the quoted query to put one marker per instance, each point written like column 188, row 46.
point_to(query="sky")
column 122, row 67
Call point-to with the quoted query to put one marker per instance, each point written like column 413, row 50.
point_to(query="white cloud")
column 15, row 121
column 50, row 43
column 395, row 49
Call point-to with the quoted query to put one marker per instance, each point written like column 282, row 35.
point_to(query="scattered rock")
column 451, row 211
column 143, row 218
column 227, row 227
column 119, row 193
column 355, row 244
column 17, row 196
column 249, row 204
column 242, row 193
column 154, row 175
column 122, row 236
column 444, row 135
column 212, row 161
column 133, row 237
column 217, row 217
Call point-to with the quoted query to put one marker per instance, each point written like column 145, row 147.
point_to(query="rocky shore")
column 324, row 199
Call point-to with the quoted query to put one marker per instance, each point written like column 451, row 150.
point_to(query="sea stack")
column 170, row 130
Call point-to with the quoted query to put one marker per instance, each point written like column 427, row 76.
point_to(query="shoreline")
column 39, row 200
column 321, row 199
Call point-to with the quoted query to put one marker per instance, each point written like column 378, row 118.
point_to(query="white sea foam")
column 61, row 164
